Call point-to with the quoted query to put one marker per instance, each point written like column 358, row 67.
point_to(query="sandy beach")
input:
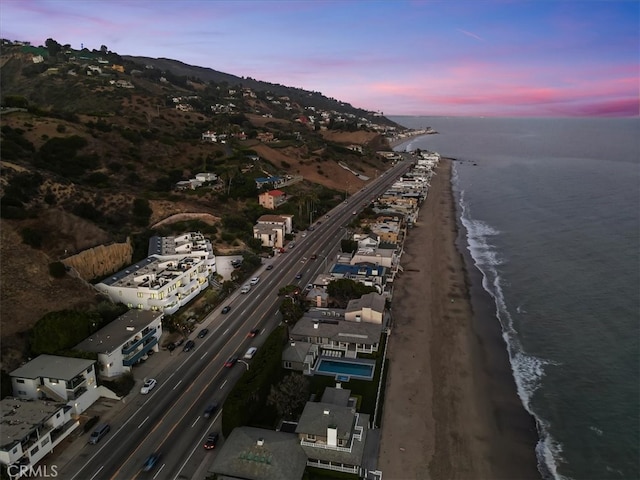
column 451, row 409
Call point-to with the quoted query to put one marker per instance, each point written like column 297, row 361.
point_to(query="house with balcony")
column 271, row 229
column 333, row 434
column 368, row 274
column 272, row 199
column 251, row 453
column 31, row 429
column 175, row 272
column 123, row 342
column 59, row 379
column 375, row 256
column 334, row 336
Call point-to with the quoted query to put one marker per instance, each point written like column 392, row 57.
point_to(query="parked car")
column 188, row 346
column 292, row 244
column 254, row 280
column 151, row 461
column 250, row 353
column 211, row 410
column 226, row 309
column 212, row 440
column 171, row 347
column 231, row 361
column 254, row 332
column 202, row 333
column 148, row 386
column 308, row 287
column 98, row 433
column 269, row 267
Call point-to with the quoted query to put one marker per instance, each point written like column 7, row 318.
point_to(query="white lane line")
column 159, row 471
column 143, row 422
column 225, row 332
column 177, row 384
column 223, row 384
column 204, row 355
column 96, row 474
column 194, row 423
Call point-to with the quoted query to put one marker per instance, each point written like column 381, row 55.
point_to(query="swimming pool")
column 360, row 369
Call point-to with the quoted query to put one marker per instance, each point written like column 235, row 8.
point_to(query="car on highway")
column 308, row 287
column 269, row 267
column 254, row 280
column 188, row 346
column 211, row 410
column 226, row 309
column 292, row 244
column 250, row 353
column 231, row 361
column 151, row 461
column 212, row 440
column 202, row 333
column 148, row 386
column 353, row 213
column 326, row 216
column 298, row 276
column 313, row 257
column 245, row 289
column 254, row 332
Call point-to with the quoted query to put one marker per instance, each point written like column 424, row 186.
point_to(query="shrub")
column 31, row 237
column 57, row 269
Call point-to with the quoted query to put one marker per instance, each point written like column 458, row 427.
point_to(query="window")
column 311, row 437
column 140, row 294
column 21, row 392
column 58, row 415
column 287, row 364
column 35, row 450
column 53, row 381
column 45, row 441
column 19, row 380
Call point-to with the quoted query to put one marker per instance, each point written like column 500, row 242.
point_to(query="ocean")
column 551, row 209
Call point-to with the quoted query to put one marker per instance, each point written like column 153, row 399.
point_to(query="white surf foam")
column 528, row 370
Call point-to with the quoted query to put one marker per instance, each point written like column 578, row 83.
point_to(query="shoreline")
column 450, row 394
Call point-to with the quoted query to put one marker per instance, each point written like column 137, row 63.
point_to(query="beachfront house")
column 333, row 434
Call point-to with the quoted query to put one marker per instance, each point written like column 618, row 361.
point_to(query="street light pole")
column 245, row 364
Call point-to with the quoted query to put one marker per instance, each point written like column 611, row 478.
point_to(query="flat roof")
column 108, row 338
column 338, row 330
column 21, row 417
column 53, row 366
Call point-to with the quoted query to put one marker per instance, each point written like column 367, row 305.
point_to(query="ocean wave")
column 528, row 370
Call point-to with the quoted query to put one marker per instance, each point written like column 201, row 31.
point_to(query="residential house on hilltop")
column 271, row 229
column 272, row 199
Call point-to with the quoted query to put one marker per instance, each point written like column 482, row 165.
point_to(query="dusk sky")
column 452, row 58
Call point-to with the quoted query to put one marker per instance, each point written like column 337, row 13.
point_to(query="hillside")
column 93, row 144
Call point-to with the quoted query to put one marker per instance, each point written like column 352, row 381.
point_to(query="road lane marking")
column 159, row 471
column 194, row 423
column 177, row 384
column 225, row 332
column 96, row 474
column 215, row 419
column 223, row 384
column 143, row 422
column 203, row 355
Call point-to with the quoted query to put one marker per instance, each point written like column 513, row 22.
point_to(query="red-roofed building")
column 272, row 199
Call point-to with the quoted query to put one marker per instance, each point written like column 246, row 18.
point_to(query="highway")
column 170, row 418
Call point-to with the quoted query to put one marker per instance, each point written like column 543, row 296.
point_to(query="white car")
column 250, row 353
column 245, row 289
column 254, row 280
column 148, row 386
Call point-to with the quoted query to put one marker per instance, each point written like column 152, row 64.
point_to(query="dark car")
column 211, row 410
column 231, row 362
column 177, row 343
column 254, row 332
column 151, row 461
column 171, row 347
column 202, row 333
column 298, row 276
column 188, row 346
column 226, row 309
column 211, row 441
column 314, row 257
column 269, row 267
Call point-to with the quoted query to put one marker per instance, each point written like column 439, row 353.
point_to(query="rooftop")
column 20, row 417
column 53, row 366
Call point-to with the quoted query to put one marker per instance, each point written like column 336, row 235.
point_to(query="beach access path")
column 441, row 418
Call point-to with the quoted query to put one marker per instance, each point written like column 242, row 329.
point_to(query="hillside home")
column 251, row 453
column 30, row 430
column 272, row 199
column 176, row 271
column 271, row 229
column 123, row 342
column 209, row 136
column 59, row 379
column 333, row 434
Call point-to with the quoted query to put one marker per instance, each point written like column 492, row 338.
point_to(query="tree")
column 344, row 289
column 141, row 211
column 53, row 47
column 290, row 395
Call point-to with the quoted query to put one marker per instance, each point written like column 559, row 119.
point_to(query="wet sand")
column 451, row 409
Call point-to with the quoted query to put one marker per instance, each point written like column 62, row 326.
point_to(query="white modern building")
column 29, row 430
column 271, row 229
column 176, row 271
column 60, row 379
column 124, row 341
